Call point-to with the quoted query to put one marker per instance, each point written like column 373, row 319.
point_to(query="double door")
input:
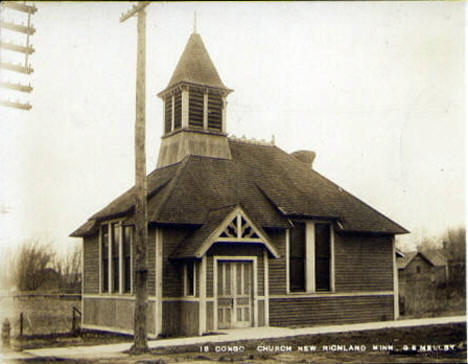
column 234, row 296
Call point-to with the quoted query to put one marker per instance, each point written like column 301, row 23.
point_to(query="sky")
column 376, row 89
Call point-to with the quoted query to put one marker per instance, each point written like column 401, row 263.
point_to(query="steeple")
column 195, row 66
column 194, row 107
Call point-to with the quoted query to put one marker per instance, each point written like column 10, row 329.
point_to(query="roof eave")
column 224, row 90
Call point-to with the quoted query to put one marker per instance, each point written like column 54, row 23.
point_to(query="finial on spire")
column 194, row 21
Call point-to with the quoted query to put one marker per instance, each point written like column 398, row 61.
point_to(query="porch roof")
column 198, row 243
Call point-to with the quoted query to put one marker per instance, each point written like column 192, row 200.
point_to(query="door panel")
column 234, row 294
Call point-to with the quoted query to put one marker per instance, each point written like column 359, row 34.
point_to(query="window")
column 190, row 280
column 115, row 239
column 322, row 257
column 105, row 257
column 127, row 254
column 310, row 257
column 418, row 269
column 297, row 256
column 116, row 258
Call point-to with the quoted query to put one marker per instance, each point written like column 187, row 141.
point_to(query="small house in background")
column 241, row 233
column 419, row 274
column 422, row 266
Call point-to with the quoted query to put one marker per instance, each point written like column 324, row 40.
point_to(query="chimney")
column 305, row 156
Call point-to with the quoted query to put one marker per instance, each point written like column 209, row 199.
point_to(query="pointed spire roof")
column 195, row 66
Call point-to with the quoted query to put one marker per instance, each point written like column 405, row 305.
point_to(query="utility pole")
column 140, row 340
column 25, row 49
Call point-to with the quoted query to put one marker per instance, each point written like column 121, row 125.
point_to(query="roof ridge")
column 254, row 141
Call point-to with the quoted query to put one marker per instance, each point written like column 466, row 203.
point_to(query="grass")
column 424, row 335
column 84, row 338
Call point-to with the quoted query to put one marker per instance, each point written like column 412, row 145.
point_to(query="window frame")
column 187, row 293
column 310, row 278
column 110, row 269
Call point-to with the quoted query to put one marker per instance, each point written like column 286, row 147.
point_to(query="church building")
column 241, row 233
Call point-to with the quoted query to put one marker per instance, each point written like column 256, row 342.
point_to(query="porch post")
column 215, row 293
column 158, row 280
column 202, row 304
column 266, row 289
column 255, row 292
column 396, row 308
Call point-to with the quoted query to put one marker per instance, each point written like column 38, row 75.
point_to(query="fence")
column 41, row 313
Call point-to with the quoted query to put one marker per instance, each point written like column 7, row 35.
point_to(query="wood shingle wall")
column 277, row 267
column 91, row 264
column 330, row 310
column 363, row 263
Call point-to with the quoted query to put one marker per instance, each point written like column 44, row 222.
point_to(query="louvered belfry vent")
column 196, row 102
column 167, row 114
column 178, row 110
column 215, row 111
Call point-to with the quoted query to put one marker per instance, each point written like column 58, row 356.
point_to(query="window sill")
column 116, row 294
column 318, row 293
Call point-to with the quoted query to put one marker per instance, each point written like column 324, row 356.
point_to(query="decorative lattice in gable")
column 239, row 228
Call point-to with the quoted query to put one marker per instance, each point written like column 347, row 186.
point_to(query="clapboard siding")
column 363, row 263
column 261, row 312
column 91, row 264
column 209, row 276
column 171, row 318
column 260, row 277
column 329, row 310
column 189, row 318
column 209, row 316
column 114, row 313
column 172, row 269
column 277, row 267
column 151, row 252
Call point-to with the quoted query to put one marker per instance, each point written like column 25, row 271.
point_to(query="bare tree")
column 455, row 243
column 31, row 263
column 427, row 242
column 69, row 268
column 455, row 247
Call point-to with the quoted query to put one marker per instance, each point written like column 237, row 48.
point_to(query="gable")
column 414, row 257
column 227, row 225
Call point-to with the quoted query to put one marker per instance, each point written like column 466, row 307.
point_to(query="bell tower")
column 194, row 108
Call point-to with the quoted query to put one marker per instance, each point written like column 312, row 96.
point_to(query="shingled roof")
column 432, row 257
column 270, row 184
column 195, row 66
